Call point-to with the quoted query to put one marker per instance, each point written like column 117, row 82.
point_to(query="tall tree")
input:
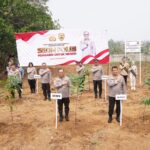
column 21, row 16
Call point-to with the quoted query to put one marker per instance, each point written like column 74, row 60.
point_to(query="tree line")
column 117, row 47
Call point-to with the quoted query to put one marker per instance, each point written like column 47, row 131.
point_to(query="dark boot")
column 67, row 114
column 12, row 94
column 67, row 118
column 118, row 119
column 110, row 119
column 60, row 116
column 20, row 94
column 95, row 96
column 100, row 96
column 45, row 98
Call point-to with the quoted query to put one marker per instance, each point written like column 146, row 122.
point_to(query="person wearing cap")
column 87, row 46
column 45, row 80
column 117, row 86
column 97, row 78
column 124, row 68
column 62, row 84
column 133, row 75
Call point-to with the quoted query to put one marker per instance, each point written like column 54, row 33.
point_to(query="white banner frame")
column 140, row 58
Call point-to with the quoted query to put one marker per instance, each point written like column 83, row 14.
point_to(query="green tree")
column 116, row 47
column 145, row 47
column 21, row 16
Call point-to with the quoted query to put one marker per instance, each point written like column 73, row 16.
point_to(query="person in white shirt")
column 87, row 46
column 45, row 80
column 31, row 71
column 133, row 75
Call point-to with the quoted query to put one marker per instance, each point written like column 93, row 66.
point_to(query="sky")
column 123, row 19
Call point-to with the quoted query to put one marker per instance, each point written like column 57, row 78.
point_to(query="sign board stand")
column 121, row 98
column 140, row 70
column 56, row 109
column 56, row 97
column 105, row 77
column 135, row 47
column 37, row 77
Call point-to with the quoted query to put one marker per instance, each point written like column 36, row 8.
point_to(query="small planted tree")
column 11, row 88
column 77, row 87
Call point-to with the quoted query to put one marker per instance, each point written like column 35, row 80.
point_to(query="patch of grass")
column 2, row 83
column 94, row 142
column 146, row 101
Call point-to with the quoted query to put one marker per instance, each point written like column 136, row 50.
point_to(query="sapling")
column 11, row 87
column 77, row 86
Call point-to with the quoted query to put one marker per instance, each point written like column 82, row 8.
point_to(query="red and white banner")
column 62, row 47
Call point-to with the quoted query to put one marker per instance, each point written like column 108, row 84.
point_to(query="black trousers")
column 46, row 90
column 125, row 79
column 18, row 90
column 97, row 85
column 65, row 102
column 32, row 84
column 112, row 102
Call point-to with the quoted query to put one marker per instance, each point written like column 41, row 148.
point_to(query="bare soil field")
column 33, row 127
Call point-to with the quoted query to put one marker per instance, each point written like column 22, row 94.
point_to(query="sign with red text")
column 62, row 47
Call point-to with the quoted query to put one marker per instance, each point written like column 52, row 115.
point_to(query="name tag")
column 121, row 97
column 36, row 76
column 56, row 96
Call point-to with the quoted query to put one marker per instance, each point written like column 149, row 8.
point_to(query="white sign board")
column 62, row 47
column 132, row 46
column 56, row 96
column 105, row 77
column 121, row 97
column 36, row 76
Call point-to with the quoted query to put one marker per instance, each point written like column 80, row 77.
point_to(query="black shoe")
column 60, row 119
column 95, row 96
column 110, row 120
column 67, row 118
column 100, row 97
column 45, row 98
column 20, row 96
column 118, row 119
column 49, row 99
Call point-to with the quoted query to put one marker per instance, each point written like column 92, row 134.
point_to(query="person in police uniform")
column 97, row 78
column 62, row 84
column 117, row 86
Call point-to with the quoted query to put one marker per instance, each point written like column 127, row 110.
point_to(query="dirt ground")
column 33, row 127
